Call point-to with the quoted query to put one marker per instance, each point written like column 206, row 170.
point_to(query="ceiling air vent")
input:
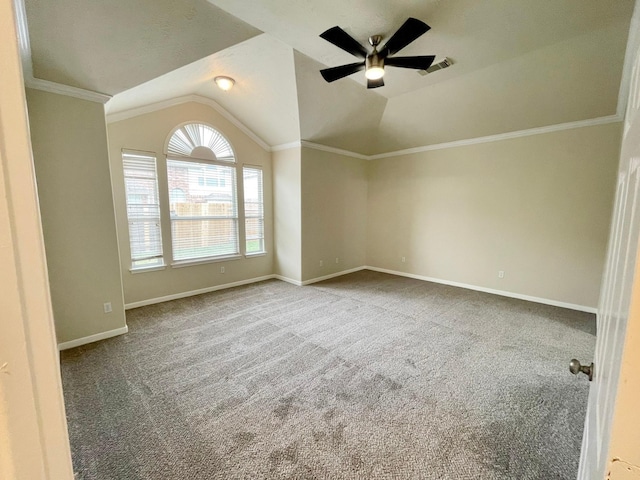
column 447, row 62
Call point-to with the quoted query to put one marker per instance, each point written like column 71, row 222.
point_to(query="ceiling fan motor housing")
column 374, row 60
column 374, row 40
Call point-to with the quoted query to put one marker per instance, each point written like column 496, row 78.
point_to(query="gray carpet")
column 366, row 376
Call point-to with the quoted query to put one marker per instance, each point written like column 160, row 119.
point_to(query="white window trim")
column 161, row 264
column 198, row 261
column 257, row 254
column 154, row 268
column 240, row 217
column 264, row 230
column 201, row 261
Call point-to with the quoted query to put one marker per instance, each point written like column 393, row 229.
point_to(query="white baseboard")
column 299, row 283
column 120, row 331
column 332, row 275
column 288, row 280
column 191, row 293
column 92, row 338
column 502, row 293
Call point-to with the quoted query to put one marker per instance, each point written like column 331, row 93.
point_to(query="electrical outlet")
column 501, row 274
column 221, row 269
column 321, row 263
column 337, row 260
column 107, row 307
column 404, row 259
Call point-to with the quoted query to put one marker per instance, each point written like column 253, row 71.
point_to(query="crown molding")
column 61, row 89
column 153, row 107
column 339, row 151
column 134, row 112
column 503, row 136
column 27, row 65
column 460, row 143
column 58, row 88
column 150, row 108
column 286, row 146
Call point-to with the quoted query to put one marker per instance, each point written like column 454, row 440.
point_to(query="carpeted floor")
column 366, row 376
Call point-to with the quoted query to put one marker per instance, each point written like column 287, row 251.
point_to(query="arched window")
column 204, row 218
column 209, row 214
column 196, row 140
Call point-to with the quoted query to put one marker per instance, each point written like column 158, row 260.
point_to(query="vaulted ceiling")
column 518, row 64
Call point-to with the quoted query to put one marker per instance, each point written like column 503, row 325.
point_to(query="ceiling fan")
column 375, row 61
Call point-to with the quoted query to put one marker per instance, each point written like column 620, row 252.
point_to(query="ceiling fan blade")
column 335, row 73
column 419, row 63
column 346, row 42
column 375, row 83
column 407, row 33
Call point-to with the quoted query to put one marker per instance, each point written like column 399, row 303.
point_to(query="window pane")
column 143, row 210
column 145, row 235
column 204, row 238
column 204, row 216
column 255, row 241
column 253, row 209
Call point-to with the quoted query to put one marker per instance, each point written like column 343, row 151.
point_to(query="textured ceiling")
column 110, row 46
column 266, row 103
column 473, row 33
column 345, row 117
column 518, row 64
column 573, row 80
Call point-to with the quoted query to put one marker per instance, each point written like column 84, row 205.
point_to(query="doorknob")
column 575, row 368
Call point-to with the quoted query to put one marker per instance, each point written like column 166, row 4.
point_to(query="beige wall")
column 334, row 213
column 149, row 133
column 72, row 170
column 536, row 207
column 287, row 213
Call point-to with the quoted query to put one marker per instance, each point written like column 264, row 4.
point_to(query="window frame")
column 199, row 155
column 165, row 223
column 246, row 217
column 161, row 264
column 212, row 258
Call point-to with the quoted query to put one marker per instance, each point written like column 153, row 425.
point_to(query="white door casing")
column 615, row 295
column 33, row 433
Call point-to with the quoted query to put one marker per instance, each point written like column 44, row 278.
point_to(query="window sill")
column 202, row 261
column 257, row 254
column 155, row 268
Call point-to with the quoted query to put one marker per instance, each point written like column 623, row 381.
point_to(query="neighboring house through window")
column 177, row 195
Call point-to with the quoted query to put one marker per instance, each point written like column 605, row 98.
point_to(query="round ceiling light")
column 224, row 83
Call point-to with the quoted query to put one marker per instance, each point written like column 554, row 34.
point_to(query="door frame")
column 34, row 442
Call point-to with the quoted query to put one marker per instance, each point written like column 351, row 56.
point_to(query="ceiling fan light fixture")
column 375, row 66
column 224, row 83
column 374, row 73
